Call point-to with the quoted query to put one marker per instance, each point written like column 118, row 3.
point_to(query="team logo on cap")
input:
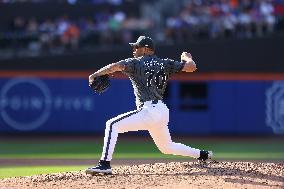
column 275, row 107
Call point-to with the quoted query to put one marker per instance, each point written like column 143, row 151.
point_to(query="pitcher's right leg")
column 162, row 139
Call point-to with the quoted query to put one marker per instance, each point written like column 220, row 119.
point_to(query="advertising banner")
column 67, row 105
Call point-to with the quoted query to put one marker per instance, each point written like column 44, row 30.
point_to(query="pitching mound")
column 173, row 175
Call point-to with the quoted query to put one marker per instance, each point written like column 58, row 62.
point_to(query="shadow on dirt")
column 233, row 174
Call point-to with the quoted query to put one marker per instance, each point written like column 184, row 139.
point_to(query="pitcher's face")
column 138, row 51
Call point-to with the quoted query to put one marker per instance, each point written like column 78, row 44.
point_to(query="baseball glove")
column 100, row 84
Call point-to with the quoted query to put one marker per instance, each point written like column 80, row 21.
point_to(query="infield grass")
column 260, row 149
column 6, row 172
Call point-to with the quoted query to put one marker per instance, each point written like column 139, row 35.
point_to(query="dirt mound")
column 164, row 175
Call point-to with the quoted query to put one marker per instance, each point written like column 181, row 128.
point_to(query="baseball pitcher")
column 149, row 75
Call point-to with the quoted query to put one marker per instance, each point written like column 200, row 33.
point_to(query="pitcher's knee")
column 166, row 148
column 111, row 125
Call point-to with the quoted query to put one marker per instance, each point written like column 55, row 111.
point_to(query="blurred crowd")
column 194, row 20
column 223, row 18
column 105, row 28
column 114, row 2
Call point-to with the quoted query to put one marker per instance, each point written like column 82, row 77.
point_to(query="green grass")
column 6, row 172
column 89, row 150
column 71, row 149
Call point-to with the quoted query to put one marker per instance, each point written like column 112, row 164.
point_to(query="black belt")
column 153, row 102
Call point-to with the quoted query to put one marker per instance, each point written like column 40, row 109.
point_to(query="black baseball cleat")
column 205, row 155
column 103, row 167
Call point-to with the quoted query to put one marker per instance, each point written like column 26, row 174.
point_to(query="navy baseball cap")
column 144, row 41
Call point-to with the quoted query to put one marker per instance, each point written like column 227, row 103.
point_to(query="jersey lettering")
column 158, row 79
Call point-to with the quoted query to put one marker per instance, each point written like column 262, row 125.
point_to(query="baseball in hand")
column 185, row 56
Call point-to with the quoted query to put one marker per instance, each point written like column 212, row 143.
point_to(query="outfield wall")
column 227, row 104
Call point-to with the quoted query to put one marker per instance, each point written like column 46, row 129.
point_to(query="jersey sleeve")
column 173, row 66
column 129, row 65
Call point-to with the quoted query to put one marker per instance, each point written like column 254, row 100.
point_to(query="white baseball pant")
column 151, row 117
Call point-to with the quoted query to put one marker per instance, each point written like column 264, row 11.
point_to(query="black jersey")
column 149, row 76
